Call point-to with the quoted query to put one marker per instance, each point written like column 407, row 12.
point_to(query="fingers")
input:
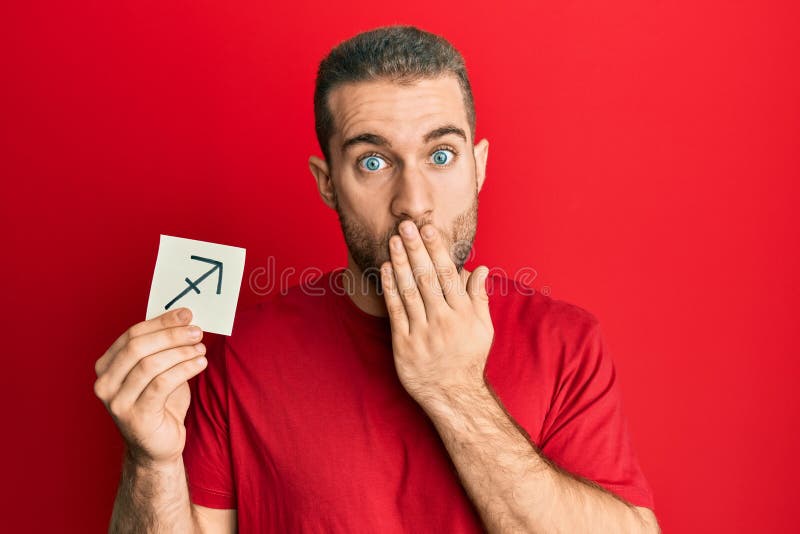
column 424, row 279
column 110, row 381
column 176, row 317
column 394, row 304
column 422, row 268
column 154, row 396
column 147, row 369
column 406, row 284
column 450, row 282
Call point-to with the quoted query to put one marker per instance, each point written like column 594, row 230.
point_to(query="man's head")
column 396, row 123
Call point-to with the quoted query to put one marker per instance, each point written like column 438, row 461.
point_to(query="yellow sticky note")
column 204, row 277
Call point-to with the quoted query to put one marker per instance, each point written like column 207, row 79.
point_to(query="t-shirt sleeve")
column 585, row 431
column 207, row 453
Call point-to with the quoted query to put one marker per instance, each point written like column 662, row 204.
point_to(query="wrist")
column 456, row 404
column 142, row 463
column 456, row 389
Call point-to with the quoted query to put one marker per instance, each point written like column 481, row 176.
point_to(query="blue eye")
column 440, row 156
column 372, row 163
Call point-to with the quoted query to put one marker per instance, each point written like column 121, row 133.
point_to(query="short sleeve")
column 585, row 431
column 207, row 453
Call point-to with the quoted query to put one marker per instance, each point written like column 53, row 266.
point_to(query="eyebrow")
column 375, row 139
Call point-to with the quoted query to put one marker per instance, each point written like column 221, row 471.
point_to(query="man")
column 396, row 395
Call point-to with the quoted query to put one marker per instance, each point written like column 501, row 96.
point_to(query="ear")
column 481, row 153
column 319, row 168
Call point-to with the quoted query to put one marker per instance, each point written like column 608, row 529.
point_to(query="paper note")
column 204, row 277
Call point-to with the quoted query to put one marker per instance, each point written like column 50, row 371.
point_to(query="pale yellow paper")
column 212, row 311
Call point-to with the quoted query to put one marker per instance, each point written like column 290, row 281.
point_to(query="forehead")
column 396, row 111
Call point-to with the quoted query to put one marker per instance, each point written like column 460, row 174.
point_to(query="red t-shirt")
column 301, row 424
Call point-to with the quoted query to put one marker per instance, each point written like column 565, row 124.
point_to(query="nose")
column 413, row 198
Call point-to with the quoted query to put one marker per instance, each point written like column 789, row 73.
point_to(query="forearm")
column 514, row 487
column 152, row 499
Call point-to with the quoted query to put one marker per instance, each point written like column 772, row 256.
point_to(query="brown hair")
column 402, row 54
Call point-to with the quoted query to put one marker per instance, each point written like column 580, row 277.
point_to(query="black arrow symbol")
column 193, row 285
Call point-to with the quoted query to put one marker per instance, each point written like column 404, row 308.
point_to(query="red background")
column 644, row 160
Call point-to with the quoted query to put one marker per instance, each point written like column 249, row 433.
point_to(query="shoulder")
column 285, row 311
column 526, row 309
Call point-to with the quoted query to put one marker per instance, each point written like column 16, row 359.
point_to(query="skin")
column 439, row 312
column 142, row 380
column 409, row 183
column 439, row 315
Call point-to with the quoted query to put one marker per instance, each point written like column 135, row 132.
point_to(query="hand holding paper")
column 143, row 377
column 142, row 380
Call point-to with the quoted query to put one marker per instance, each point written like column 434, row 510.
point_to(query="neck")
column 363, row 293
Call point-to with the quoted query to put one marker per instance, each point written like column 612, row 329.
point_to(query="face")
column 401, row 152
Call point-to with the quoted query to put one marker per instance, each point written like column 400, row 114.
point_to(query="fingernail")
column 184, row 315
column 406, row 230
column 194, row 332
column 427, row 232
column 200, row 348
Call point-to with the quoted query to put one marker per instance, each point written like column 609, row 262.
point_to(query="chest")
column 330, row 433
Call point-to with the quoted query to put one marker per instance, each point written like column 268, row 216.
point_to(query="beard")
column 369, row 251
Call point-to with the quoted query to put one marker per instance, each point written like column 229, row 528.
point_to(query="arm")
column 442, row 333
column 142, row 380
column 156, row 499
column 514, row 487
column 152, row 498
